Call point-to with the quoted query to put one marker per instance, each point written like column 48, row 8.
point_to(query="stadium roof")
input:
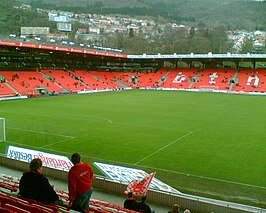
column 37, row 55
column 201, row 56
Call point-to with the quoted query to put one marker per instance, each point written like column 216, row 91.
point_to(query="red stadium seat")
column 4, row 210
column 7, row 200
column 15, row 209
column 65, row 80
column 19, row 200
column 50, row 208
column 44, row 209
column 29, row 207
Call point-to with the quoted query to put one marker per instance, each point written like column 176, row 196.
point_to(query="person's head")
column 36, row 165
column 143, row 199
column 175, row 208
column 75, row 158
column 129, row 194
column 186, row 211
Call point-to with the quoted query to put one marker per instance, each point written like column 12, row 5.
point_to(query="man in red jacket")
column 79, row 184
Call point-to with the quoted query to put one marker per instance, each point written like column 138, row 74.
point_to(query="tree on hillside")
column 131, row 32
column 192, row 32
column 248, row 46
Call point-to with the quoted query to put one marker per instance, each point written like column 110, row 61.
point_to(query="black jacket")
column 36, row 186
column 143, row 207
column 131, row 204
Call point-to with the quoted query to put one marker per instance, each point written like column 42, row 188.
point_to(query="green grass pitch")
column 205, row 144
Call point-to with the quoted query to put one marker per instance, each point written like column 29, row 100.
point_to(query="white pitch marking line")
column 163, row 148
column 45, row 133
column 207, row 178
column 109, row 120
column 58, row 142
column 148, row 126
column 85, row 117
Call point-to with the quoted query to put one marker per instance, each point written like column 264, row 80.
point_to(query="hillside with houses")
column 131, row 34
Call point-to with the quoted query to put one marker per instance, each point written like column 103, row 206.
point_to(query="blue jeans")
column 86, row 199
column 82, row 201
column 59, row 203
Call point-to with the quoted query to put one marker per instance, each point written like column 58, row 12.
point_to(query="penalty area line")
column 169, row 144
column 44, row 133
column 61, row 141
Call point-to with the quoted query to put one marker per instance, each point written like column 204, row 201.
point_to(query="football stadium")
column 196, row 120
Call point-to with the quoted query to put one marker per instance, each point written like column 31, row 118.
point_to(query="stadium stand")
column 108, row 78
column 124, row 78
column 66, row 80
column 216, row 79
column 147, row 79
column 6, row 91
column 16, row 203
column 92, row 80
column 45, row 82
column 9, row 183
column 179, row 78
column 249, row 80
column 108, row 197
column 29, row 82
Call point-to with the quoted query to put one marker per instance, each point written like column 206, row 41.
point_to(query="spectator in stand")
column 175, row 209
column 79, row 184
column 35, row 185
column 143, row 207
column 130, row 203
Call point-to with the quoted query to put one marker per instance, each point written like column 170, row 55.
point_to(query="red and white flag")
column 140, row 188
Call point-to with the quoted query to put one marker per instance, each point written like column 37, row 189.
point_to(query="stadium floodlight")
column 2, row 129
